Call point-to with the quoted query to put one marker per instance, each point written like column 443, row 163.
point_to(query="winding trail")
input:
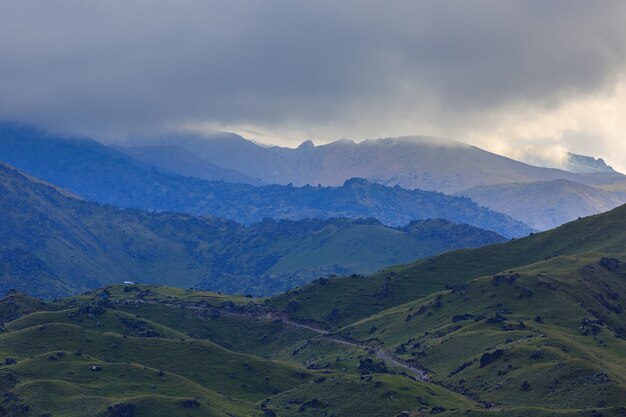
column 418, row 374
column 414, row 372
column 408, row 370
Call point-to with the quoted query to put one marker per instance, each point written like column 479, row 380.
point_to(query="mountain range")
column 421, row 163
column 199, row 174
column 108, row 176
column 463, row 323
column 547, row 204
column 531, row 327
column 54, row 244
column 426, row 163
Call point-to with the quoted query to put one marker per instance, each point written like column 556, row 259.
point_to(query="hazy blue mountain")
column 360, row 198
column 53, row 244
column 108, row 176
column 545, row 205
column 411, row 162
column 571, row 162
column 179, row 161
column 586, row 164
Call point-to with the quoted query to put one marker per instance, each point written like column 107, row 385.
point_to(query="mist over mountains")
column 228, row 176
column 177, row 160
column 431, row 164
column 548, row 204
column 270, row 208
column 108, row 176
column 585, row 186
column 371, row 288
column 571, row 162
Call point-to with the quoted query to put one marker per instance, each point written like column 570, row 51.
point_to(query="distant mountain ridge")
column 571, row 162
column 179, row 161
column 545, row 205
column 586, row 164
column 411, row 162
column 108, row 176
column 168, row 176
column 53, row 245
column 584, row 186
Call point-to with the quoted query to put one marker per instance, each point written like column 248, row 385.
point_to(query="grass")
column 241, row 334
column 355, row 298
column 449, row 332
column 534, row 327
column 377, row 395
column 55, row 245
column 69, row 387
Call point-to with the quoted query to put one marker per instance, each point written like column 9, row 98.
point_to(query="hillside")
column 100, row 354
column 411, row 162
column 53, row 245
column 105, row 175
column 523, row 343
column 545, row 205
column 602, row 235
column 551, row 334
column 532, row 327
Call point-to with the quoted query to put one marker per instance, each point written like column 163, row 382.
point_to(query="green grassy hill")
column 53, row 244
column 530, row 327
column 99, row 354
column 528, row 342
column 521, row 339
column 340, row 301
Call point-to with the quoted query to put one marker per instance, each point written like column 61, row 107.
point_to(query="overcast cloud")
column 513, row 77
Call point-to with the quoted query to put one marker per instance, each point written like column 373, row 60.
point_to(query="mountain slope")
column 411, row 162
column 550, row 334
column 524, row 343
column 352, row 299
column 586, row 164
column 52, row 245
column 107, row 176
column 179, row 161
column 145, row 368
column 544, row 205
column 54, row 351
column 531, row 326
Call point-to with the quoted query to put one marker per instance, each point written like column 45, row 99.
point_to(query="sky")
column 520, row 78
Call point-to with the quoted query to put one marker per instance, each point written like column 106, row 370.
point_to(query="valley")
column 53, row 245
column 270, row 208
column 133, row 290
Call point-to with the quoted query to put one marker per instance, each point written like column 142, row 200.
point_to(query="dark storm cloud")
column 113, row 67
